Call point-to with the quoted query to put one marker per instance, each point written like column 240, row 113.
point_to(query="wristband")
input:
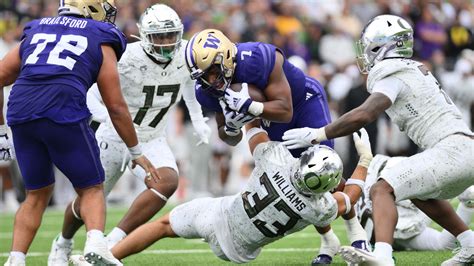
column 135, row 151
column 256, row 108
column 254, row 131
column 347, row 200
column 320, row 135
column 357, row 182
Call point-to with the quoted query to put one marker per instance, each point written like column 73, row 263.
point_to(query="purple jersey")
column 254, row 64
column 60, row 59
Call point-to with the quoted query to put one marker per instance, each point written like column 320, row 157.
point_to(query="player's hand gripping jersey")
column 60, row 57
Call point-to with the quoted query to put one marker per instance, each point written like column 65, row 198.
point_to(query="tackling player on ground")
column 153, row 78
column 282, row 196
column 57, row 61
column 413, row 99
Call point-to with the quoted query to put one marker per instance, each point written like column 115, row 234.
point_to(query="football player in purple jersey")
column 293, row 99
column 58, row 59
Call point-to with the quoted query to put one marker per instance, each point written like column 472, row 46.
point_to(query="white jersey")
column 421, row 108
column 269, row 207
column 150, row 90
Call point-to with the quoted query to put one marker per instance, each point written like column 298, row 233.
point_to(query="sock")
column 64, row 241
column 18, row 255
column 465, row 213
column 116, row 235
column 95, row 234
column 329, row 243
column 355, row 231
column 383, row 250
column 466, row 238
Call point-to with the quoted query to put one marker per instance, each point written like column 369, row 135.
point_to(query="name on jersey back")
column 289, row 192
column 65, row 21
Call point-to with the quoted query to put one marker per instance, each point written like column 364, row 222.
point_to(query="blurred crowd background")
column 317, row 36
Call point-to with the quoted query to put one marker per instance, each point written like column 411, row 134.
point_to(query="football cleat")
column 78, row 260
column 465, row 256
column 467, row 197
column 355, row 256
column 362, row 244
column 97, row 253
column 322, row 259
column 13, row 261
column 59, row 254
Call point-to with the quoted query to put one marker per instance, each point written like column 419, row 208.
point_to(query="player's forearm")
column 277, row 111
column 348, row 123
column 123, row 124
column 230, row 140
column 352, row 190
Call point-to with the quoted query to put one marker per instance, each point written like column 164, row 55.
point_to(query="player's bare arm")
column 354, row 186
column 278, row 106
column 259, row 135
column 109, row 86
column 230, row 140
column 354, row 120
column 10, row 66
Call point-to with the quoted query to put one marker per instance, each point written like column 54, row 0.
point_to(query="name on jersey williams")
column 65, row 21
column 289, row 192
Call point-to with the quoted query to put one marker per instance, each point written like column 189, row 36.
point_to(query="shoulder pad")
column 384, row 69
column 113, row 36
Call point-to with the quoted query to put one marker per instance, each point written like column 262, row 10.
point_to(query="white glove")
column 362, row 145
column 6, row 146
column 233, row 120
column 202, row 130
column 303, row 137
column 240, row 101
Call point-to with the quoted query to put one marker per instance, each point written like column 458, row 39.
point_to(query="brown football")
column 254, row 92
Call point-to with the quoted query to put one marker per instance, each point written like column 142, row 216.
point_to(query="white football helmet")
column 101, row 10
column 161, row 32
column 385, row 36
column 320, row 171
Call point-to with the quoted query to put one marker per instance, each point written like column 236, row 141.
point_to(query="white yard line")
column 180, row 251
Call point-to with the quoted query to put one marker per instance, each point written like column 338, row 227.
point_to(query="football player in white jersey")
column 412, row 231
column 154, row 78
column 282, row 196
column 413, row 99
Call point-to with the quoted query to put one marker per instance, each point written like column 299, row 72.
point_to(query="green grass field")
column 296, row 249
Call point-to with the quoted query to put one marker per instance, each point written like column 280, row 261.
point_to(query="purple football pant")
column 71, row 147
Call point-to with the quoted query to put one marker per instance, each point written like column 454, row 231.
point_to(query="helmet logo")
column 211, row 42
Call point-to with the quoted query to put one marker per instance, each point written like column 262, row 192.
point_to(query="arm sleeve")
column 195, row 111
column 95, row 105
column 389, row 86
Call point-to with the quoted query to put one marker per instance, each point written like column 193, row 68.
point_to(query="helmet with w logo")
column 210, row 58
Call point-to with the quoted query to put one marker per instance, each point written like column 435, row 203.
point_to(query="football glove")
column 234, row 121
column 303, row 137
column 202, row 130
column 240, row 101
column 362, row 145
